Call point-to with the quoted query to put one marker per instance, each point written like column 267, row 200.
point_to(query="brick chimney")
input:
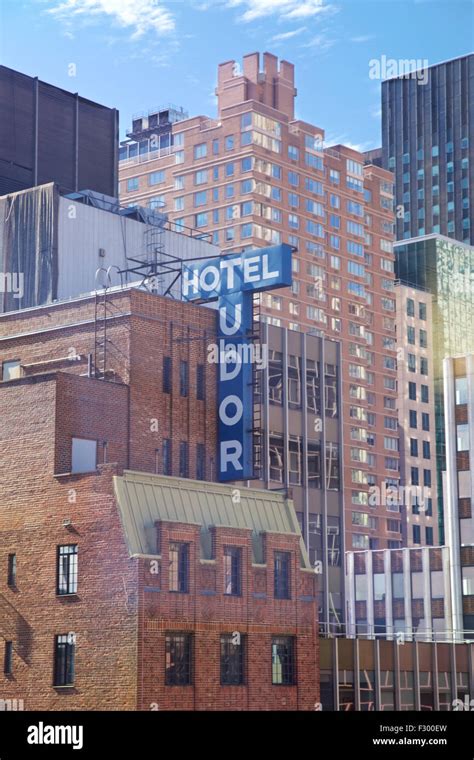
column 274, row 86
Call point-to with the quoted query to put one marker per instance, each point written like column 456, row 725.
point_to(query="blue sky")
column 138, row 54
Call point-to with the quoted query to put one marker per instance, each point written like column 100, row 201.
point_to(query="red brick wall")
column 33, row 506
column 206, row 613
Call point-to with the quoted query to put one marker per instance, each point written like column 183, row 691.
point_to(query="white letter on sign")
column 239, row 409
column 225, row 329
column 266, row 275
column 215, row 277
column 190, row 280
column 231, row 451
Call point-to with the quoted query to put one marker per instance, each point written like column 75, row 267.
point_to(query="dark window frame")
column 282, row 575
column 167, row 374
column 233, row 573
column 67, row 575
column 11, row 570
column 8, row 659
column 64, row 660
column 178, row 664
column 287, row 665
column 232, row 660
column 178, row 579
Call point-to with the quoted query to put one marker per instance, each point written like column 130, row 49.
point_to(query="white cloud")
column 285, row 9
column 341, row 139
column 287, row 35
column 140, row 16
column 320, row 43
column 362, row 38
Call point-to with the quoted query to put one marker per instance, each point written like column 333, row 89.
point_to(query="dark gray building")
column 51, row 135
column 428, row 142
column 301, row 422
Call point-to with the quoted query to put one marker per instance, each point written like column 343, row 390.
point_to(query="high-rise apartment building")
column 428, row 142
column 443, row 267
column 255, row 175
column 416, row 416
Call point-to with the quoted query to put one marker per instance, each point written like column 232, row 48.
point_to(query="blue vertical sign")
column 232, row 280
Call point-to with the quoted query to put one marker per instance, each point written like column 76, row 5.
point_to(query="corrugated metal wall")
column 83, row 230
column 50, row 135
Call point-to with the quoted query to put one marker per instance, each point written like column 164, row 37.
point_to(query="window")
column 167, row 379
column 200, row 151
column 423, row 366
column 200, row 199
column 64, row 658
column 410, row 307
column 132, row 184
column 200, row 382
column 215, row 147
column 232, row 570
column 462, row 437
column 413, row 419
column 293, row 179
column 294, row 381
column 8, row 659
column 423, row 339
column 411, row 335
column 200, row 178
column 178, row 649
column 281, row 575
column 66, row 569
column 283, row 661
column 415, row 476
column 156, row 178
column 425, row 421
column 11, row 574
column 425, row 394
column 334, row 176
column 426, row 450
column 412, row 391
column 179, row 567
column 167, row 456
column 413, row 447
column 429, row 536
column 200, row 461
column 232, row 659
column 200, row 220
column 229, row 142
column 183, row 460
column 84, row 455
column 293, row 152
column 11, row 371
column 416, row 534
column 183, row 378
column 461, row 390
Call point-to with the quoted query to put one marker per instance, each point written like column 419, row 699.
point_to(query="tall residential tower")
column 255, row 175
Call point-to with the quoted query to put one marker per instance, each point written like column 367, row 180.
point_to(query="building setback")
column 428, row 143
column 50, row 135
column 255, row 176
column 401, row 593
column 79, row 608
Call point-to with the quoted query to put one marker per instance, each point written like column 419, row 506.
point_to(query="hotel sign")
column 232, row 280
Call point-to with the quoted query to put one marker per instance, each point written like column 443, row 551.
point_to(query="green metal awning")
column 144, row 499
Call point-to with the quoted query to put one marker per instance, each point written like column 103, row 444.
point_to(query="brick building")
column 73, row 601
column 255, row 175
